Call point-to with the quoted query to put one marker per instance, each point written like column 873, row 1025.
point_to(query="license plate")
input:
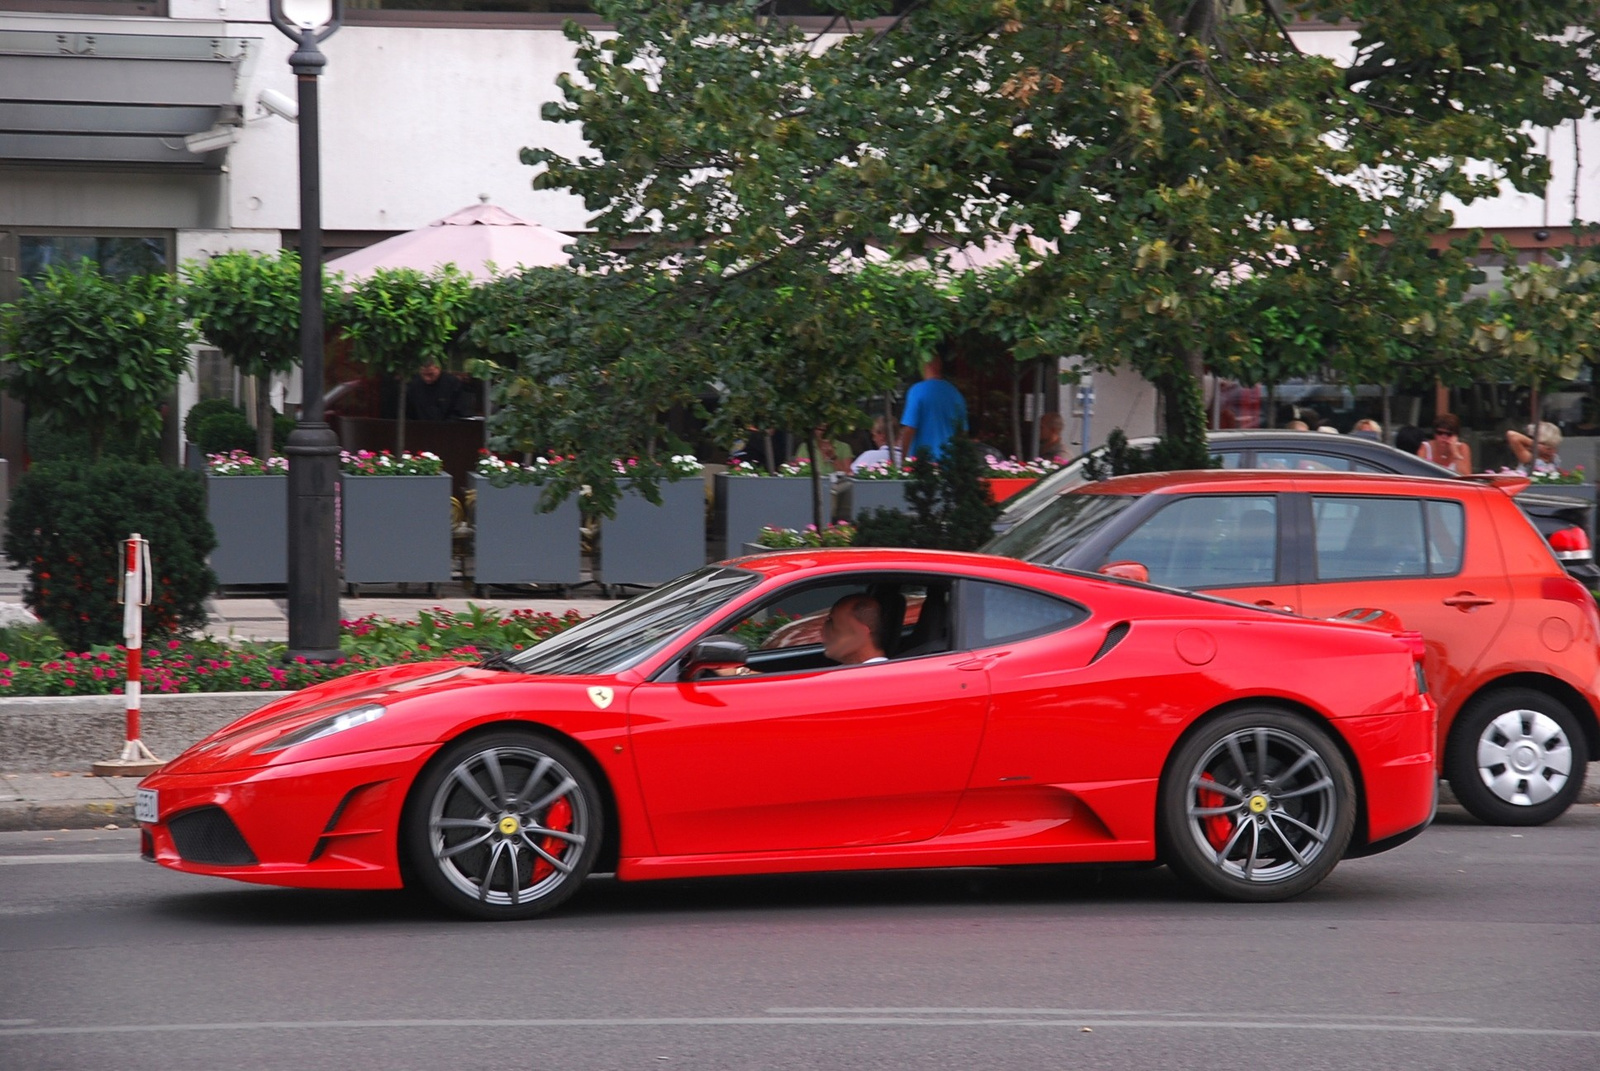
column 145, row 807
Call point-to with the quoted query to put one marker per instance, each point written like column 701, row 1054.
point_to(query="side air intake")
column 1114, row 636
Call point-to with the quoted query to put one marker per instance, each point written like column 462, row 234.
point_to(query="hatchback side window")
column 1446, row 536
column 998, row 613
column 1369, row 537
column 1309, row 461
column 1208, row 541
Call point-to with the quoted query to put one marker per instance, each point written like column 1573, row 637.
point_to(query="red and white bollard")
column 134, row 593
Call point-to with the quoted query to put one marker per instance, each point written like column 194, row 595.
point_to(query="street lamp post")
column 313, row 449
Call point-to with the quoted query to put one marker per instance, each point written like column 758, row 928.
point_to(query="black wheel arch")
column 611, row 843
column 1361, row 835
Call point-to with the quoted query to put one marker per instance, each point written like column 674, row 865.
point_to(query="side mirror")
column 1126, row 570
column 714, row 654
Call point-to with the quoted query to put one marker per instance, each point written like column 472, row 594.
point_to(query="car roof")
column 1146, row 483
column 891, row 559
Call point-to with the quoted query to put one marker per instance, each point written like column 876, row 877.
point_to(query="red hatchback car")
column 1025, row 716
column 1511, row 638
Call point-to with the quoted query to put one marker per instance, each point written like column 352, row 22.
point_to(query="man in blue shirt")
column 934, row 412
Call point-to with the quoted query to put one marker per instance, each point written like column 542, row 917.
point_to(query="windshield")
column 615, row 639
column 1036, row 497
column 1049, row 535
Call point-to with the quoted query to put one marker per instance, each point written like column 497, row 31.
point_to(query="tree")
column 1163, row 150
column 399, row 319
column 248, row 306
column 95, row 352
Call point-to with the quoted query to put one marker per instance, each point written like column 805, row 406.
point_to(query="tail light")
column 1571, row 544
column 1413, row 642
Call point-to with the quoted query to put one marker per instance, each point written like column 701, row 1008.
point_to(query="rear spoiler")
column 1512, row 483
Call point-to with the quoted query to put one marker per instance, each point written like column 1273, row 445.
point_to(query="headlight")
column 337, row 723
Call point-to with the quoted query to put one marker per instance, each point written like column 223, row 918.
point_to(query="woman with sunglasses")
column 1446, row 447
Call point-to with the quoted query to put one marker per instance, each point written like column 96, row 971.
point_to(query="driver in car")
column 852, row 631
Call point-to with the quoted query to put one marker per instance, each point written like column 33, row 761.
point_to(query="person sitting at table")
column 433, row 394
column 880, row 447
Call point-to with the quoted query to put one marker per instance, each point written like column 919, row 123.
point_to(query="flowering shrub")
column 211, row 665
column 502, row 473
column 676, row 467
column 1013, row 469
column 383, row 463
column 244, row 463
column 801, row 467
column 884, row 470
column 837, row 534
column 1574, row 475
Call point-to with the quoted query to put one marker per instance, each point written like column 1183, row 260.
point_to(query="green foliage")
column 949, row 505
column 202, row 409
column 223, row 433
column 96, row 352
column 248, row 306
column 399, row 319
column 37, row 642
column 1204, row 192
column 52, row 438
column 65, row 526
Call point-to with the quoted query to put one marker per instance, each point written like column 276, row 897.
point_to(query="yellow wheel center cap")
column 1258, row 804
column 509, row 825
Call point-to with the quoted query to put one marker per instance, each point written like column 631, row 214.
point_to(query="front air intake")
column 207, row 835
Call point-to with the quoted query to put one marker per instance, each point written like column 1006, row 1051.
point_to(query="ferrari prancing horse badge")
column 600, row 697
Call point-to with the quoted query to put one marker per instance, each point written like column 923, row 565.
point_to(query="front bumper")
column 325, row 823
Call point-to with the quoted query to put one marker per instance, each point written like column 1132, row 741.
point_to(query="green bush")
column 281, row 427
column 221, row 433
column 65, row 528
column 200, row 410
column 51, row 438
column 950, row 507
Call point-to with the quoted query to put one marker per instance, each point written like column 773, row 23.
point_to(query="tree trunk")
column 400, row 420
column 264, row 415
column 1184, row 437
column 816, row 479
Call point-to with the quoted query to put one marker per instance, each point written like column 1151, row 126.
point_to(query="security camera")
column 1541, row 235
column 278, row 104
column 218, row 137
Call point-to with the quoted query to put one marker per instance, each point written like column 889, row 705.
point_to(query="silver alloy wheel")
column 508, row 825
column 1262, row 803
column 1524, row 757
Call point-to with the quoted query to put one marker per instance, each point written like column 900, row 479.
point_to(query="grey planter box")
column 396, row 529
column 650, row 544
column 747, row 504
column 513, row 543
column 863, row 495
column 251, row 518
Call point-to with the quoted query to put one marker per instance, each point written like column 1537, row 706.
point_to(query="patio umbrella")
column 471, row 239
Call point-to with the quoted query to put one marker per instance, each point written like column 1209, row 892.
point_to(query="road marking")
column 1176, row 1021
column 1072, row 1012
column 63, row 857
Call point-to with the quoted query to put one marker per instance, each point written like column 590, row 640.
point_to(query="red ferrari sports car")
column 1025, row 716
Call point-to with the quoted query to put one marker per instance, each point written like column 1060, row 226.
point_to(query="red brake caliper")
column 1218, row 827
column 559, row 816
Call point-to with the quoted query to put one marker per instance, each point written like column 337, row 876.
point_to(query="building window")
column 87, row 7
column 119, row 256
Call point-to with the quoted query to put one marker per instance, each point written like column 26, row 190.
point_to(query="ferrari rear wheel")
column 505, row 826
column 1257, row 805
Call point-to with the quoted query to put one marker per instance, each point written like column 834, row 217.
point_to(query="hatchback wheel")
column 1257, row 805
column 1516, row 757
column 505, row 826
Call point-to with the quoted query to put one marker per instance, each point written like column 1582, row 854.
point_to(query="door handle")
column 1270, row 605
column 1468, row 601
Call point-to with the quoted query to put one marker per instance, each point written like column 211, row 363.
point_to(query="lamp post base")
column 313, row 452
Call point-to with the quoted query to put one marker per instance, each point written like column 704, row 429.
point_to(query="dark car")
column 1511, row 642
column 1567, row 524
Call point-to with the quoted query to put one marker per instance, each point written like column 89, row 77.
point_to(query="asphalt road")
column 1468, row 948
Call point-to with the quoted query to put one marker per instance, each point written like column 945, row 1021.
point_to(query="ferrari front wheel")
column 503, row 826
column 1257, row 805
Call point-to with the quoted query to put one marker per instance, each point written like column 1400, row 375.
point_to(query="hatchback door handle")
column 1468, row 601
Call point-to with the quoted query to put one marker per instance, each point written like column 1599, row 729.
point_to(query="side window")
column 1208, row 541
column 999, row 613
column 1229, row 459
column 1446, row 536
column 1369, row 537
column 1310, row 461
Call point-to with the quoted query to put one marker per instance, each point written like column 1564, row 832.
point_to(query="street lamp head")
column 299, row 19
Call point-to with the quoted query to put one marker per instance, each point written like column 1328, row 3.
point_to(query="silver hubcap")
column 1524, row 757
column 1262, row 803
column 507, row 825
